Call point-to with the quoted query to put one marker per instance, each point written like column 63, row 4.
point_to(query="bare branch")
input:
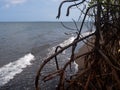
column 59, row 10
column 52, row 56
column 68, row 10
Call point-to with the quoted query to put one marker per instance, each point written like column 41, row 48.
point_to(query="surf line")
column 8, row 71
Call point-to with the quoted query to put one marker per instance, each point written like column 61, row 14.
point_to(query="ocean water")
column 24, row 46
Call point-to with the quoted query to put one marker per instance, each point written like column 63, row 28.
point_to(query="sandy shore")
column 82, row 50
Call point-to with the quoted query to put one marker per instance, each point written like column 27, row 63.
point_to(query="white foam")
column 76, row 66
column 67, row 42
column 63, row 44
column 71, row 39
column 86, row 33
column 7, row 72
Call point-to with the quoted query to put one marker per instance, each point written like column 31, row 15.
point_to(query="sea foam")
column 67, row 42
column 7, row 72
column 62, row 44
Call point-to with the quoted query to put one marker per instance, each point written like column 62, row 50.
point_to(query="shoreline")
column 82, row 50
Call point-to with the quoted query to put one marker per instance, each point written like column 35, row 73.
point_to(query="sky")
column 34, row 10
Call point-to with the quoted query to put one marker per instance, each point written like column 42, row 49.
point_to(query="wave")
column 7, row 72
column 67, row 42
column 63, row 44
column 86, row 33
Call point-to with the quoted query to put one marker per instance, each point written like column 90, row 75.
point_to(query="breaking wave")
column 8, row 71
column 67, row 42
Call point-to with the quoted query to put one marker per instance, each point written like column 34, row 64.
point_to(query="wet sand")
column 84, row 49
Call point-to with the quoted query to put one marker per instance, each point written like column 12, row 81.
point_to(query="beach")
column 83, row 49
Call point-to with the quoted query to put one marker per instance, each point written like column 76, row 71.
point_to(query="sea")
column 25, row 45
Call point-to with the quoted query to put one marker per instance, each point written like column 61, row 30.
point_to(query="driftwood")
column 101, row 64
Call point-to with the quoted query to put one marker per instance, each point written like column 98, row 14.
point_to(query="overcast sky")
column 34, row 10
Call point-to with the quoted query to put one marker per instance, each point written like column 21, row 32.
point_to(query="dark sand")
column 82, row 50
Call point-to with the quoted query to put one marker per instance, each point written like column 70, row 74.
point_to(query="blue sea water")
column 24, row 46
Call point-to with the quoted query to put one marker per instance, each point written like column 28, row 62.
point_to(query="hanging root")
column 101, row 63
